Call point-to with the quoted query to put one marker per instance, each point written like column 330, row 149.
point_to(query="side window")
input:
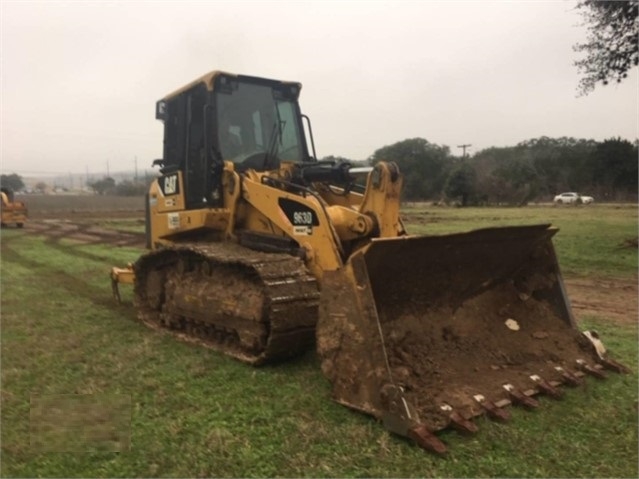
column 289, row 148
column 195, row 167
column 175, row 131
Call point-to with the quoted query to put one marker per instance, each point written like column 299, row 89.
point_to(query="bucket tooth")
column 594, row 372
column 400, row 418
column 459, row 422
column 426, row 439
column 569, row 378
column 599, row 348
column 492, row 410
column 546, row 388
column 613, row 365
column 519, row 398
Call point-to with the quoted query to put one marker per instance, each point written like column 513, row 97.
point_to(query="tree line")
column 533, row 170
column 108, row 186
column 104, row 186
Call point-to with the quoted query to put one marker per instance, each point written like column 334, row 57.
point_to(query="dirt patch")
column 446, row 357
column 84, row 206
column 473, row 350
column 609, row 299
column 85, row 232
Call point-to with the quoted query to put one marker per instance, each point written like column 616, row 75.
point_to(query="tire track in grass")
column 45, row 277
column 76, row 250
column 85, row 232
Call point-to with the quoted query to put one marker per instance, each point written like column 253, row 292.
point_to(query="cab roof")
column 208, row 79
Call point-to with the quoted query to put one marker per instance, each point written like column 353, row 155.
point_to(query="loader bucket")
column 427, row 332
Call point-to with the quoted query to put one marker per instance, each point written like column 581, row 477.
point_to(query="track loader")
column 260, row 250
column 11, row 211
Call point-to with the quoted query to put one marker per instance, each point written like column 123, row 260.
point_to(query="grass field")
column 590, row 241
column 87, row 391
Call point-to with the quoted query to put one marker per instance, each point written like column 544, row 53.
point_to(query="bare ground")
column 614, row 299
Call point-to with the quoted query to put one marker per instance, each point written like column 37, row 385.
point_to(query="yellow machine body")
column 12, row 212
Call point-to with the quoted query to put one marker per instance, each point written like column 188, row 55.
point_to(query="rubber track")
column 256, row 307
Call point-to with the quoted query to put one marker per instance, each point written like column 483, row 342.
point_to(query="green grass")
column 174, row 409
column 130, row 225
column 590, row 239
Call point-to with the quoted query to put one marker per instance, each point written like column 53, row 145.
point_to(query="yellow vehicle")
column 12, row 212
column 259, row 250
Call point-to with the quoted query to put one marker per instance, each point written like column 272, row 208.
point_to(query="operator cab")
column 253, row 122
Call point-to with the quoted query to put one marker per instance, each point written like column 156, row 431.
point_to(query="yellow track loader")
column 260, row 250
column 11, row 211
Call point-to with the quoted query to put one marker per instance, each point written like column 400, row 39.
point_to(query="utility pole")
column 108, row 173
column 136, row 169
column 467, row 145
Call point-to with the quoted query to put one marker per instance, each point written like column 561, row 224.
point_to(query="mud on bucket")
column 446, row 319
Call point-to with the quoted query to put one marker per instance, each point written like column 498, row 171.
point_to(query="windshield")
column 254, row 119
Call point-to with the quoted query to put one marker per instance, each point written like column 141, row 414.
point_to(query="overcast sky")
column 80, row 79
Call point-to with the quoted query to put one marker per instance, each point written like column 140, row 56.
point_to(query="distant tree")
column 526, row 179
column 561, row 163
column 425, row 166
column 41, row 187
column 13, row 182
column 461, row 183
column 614, row 167
column 508, row 175
column 612, row 45
column 534, row 169
column 103, row 186
column 131, row 188
column 489, row 188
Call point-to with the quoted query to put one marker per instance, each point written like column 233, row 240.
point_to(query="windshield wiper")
column 272, row 145
column 275, row 139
